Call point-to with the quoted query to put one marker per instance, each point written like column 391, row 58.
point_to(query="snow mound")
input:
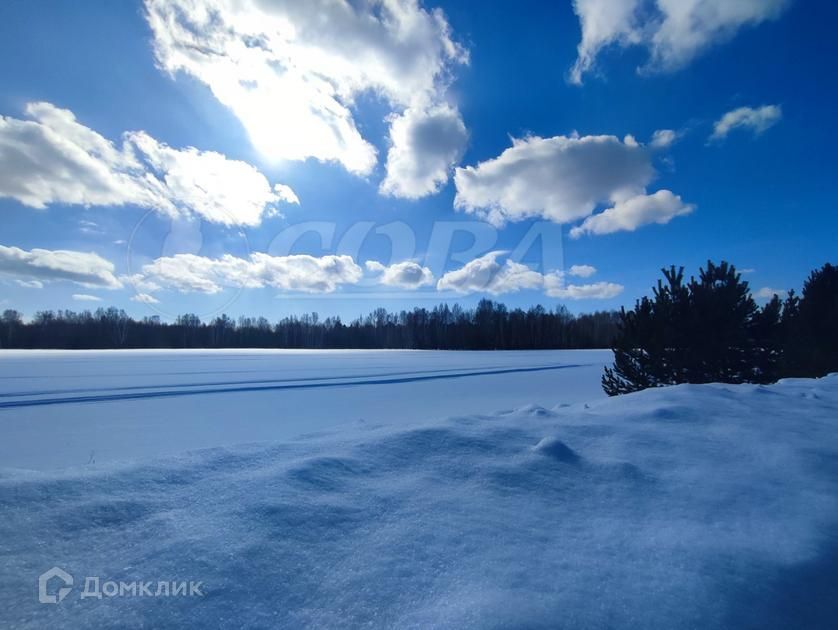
column 535, row 410
column 709, row 506
column 555, row 448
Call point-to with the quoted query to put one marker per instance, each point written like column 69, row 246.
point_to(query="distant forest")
column 489, row 326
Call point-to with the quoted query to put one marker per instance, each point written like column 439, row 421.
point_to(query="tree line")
column 489, row 326
column 710, row 330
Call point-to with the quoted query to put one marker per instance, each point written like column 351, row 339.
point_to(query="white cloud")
column 90, row 227
column 190, row 273
column 603, row 22
column 757, row 120
column 486, row 274
column 44, row 265
column 84, row 297
column 145, row 298
column 52, row 158
column 673, row 31
column 425, row 147
column 747, row 270
column 768, row 293
column 581, row 271
column 291, row 71
column 562, row 179
column 286, row 194
column 30, row 284
column 554, row 286
column 406, row 275
column 663, row 138
column 215, row 188
column 632, row 213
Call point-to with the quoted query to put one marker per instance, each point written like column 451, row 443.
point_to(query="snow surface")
column 687, row 507
column 71, row 408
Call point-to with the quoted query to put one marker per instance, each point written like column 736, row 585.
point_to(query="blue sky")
column 141, row 146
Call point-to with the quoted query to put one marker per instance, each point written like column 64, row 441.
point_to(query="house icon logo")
column 43, row 585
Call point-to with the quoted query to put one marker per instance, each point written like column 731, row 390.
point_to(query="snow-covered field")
column 688, row 507
column 60, row 409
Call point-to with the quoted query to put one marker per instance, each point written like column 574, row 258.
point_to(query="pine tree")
column 709, row 330
column 811, row 348
column 770, row 340
column 723, row 327
column 647, row 350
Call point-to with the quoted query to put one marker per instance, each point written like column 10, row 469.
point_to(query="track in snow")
column 257, row 386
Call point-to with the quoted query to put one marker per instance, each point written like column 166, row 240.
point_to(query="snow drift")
column 693, row 506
